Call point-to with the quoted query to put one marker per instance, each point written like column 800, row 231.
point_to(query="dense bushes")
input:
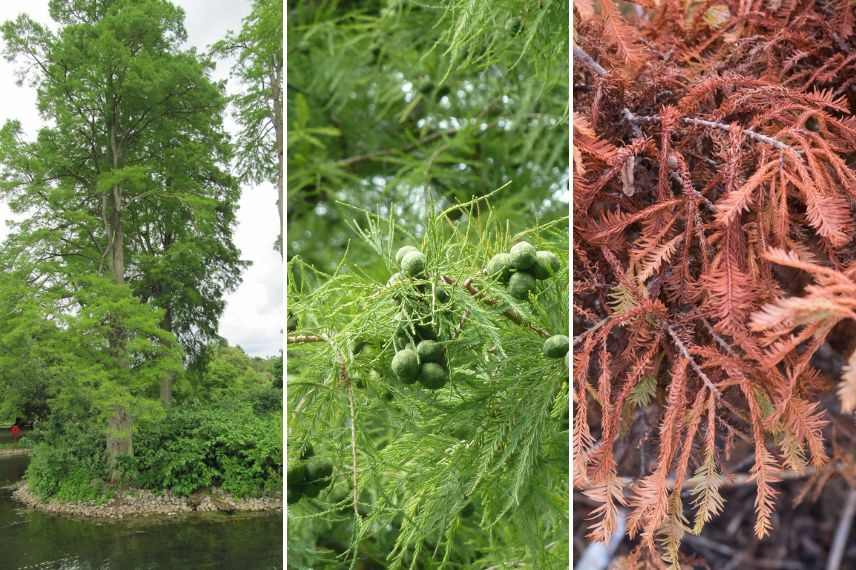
column 195, row 448
column 68, row 461
column 188, row 449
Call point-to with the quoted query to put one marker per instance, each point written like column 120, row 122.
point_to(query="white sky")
column 254, row 313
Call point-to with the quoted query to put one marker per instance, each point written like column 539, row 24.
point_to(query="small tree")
column 469, row 474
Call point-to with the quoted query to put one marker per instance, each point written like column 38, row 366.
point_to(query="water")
column 34, row 540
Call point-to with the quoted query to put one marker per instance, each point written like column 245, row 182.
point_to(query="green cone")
column 405, row 365
column 433, row 376
column 556, row 346
column 520, row 284
column 523, row 256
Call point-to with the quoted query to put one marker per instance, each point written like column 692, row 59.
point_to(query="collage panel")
column 714, row 279
column 427, row 284
column 141, row 284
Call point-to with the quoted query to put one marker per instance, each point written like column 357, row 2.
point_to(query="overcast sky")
column 254, row 313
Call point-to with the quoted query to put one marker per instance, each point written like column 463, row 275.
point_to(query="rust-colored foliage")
column 714, row 221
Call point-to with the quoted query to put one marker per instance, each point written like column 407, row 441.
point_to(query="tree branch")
column 509, row 313
column 840, row 541
column 632, row 117
column 304, row 338
column 588, row 61
column 686, row 354
column 583, row 57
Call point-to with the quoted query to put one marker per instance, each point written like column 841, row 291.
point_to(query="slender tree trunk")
column 169, row 379
column 276, row 89
column 166, row 389
column 119, row 426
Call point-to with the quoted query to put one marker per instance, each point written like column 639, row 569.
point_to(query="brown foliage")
column 714, row 240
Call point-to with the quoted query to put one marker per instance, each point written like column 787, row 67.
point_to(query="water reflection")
column 33, row 540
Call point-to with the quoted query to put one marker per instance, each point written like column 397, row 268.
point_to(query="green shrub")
column 189, row 449
column 68, row 460
column 194, row 448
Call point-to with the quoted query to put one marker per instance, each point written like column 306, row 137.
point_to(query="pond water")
column 35, row 540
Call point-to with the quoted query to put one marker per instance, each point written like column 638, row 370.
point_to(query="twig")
column 748, row 132
column 729, row 481
column 345, row 379
column 305, row 338
column 840, row 541
column 719, row 340
column 509, row 313
column 583, row 57
column 686, row 354
column 353, row 410
column 580, row 337
column 630, row 116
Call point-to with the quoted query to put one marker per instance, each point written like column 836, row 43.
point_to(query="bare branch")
column 583, row 57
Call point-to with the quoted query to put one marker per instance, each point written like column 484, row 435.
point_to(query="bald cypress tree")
column 126, row 184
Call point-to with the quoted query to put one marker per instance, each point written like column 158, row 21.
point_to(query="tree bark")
column 120, row 424
column 166, row 390
column 119, row 441
column 168, row 380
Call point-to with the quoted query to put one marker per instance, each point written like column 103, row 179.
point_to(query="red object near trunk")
column 16, row 432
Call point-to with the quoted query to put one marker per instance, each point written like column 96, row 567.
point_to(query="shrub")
column 194, row 448
column 68, row 460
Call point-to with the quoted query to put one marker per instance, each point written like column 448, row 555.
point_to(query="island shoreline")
column 14, row 451
column 141, row 503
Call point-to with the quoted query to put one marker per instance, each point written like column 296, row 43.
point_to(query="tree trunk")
column 166, row 389
column 119, row 440
column 168, row 380
column 276, row 88
column 120, row 425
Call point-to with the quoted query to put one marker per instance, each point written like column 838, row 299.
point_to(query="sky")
column 254, row 312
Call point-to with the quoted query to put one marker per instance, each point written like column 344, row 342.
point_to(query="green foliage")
column 134, row 118
column 68, row 460
column 258, row 50
column 491, row 442
column 412, row 114
column 194, row 448
column 231, row 439
column 55, row 350
column 229, row 372
column 112, row 282
column 393, row 106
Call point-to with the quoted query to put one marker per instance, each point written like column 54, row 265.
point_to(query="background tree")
column 258, row 49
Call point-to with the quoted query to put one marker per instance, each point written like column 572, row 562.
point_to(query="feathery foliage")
column 396, row 105
column 713, row 153
column 467, row 476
